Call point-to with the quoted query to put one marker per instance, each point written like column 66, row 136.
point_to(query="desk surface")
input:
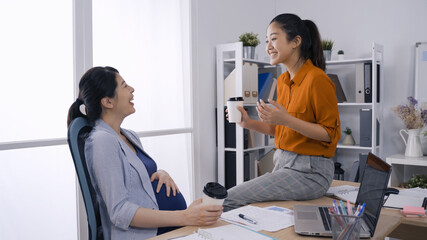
column 389, row 220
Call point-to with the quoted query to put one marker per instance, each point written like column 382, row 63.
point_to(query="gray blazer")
column 121, row 182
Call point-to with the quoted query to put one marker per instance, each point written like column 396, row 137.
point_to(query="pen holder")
column 346, row 226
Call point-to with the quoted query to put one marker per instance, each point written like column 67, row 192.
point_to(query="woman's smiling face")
column 278, row 47
column 124, row 97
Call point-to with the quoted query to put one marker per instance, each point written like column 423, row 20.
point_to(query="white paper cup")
column 234, row 115
column 214, row 194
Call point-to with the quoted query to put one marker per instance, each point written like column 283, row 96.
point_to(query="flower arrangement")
column 249, row 39
column 412, row 115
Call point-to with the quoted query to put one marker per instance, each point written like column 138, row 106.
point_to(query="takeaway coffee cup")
column 234, row 115
column 214, row 194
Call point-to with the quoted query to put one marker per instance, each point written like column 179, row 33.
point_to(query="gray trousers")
column 294, row 177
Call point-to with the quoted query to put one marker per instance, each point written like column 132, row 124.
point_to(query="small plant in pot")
column 250, row 41
column 340, row 55
column 348, row 138
column 417, row 181
column 327, row 48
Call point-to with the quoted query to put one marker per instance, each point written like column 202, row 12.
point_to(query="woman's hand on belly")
column 165, row 179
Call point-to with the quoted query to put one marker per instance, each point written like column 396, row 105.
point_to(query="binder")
column 249, row 84
column 365, row 127
column 230, row 168
column 368, row 82
column 230, row 134
column 364, row 83
column 360, row 83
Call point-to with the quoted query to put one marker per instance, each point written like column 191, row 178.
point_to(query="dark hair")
column 311, row 43
column 95, row 84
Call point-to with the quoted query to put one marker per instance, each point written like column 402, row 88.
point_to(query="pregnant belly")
column 170, row 203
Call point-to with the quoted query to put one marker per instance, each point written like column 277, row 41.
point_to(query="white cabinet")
column 403, row 168
column 364, row 94
column 229, row 60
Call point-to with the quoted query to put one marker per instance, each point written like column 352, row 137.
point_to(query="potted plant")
column 348, row 138
column 340, row 55
column 417, row 181
column 327, row 48
column 250, row 41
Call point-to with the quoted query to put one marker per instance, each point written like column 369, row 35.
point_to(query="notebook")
column 314, row 221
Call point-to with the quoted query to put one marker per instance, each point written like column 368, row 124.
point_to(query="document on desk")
column 227, row 232
column 264, row 219
column 344, row 192
column 400, row 201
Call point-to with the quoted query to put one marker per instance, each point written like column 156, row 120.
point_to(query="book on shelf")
column 265, row 163
column 339, row 91
column 265, row 82
column 273, row 90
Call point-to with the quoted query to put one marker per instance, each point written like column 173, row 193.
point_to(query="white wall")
column 216, row 22
column 352, row 25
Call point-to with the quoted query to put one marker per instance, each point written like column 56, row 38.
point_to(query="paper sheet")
column 268, row 220
column 227, row 232
column 414, row 192
column 399, row 201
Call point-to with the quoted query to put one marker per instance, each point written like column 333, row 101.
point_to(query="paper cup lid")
column 215, row 190
column 235, row 99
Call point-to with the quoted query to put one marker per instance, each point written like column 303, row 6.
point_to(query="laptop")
column 315, row 220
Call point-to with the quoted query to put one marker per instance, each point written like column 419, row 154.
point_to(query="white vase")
column 348, row 140
column 340, row 57
column 327, row 54
column 423, row 140
column 413, row 144
column 249, row 52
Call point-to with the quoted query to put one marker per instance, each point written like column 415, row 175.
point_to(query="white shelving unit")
column 232, row 54
column 403, row 168
column 349, row 111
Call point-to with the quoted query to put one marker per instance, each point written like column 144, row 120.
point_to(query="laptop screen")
column 372, row 189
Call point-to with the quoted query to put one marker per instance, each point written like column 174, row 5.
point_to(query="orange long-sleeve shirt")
column 311, row 97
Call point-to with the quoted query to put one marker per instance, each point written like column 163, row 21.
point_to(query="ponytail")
column 315, row 52
column 75, row 111
column 311, row 44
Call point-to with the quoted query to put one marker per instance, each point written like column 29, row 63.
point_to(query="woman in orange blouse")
column 304, row 119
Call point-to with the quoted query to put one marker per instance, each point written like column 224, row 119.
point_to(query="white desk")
column 403, row 168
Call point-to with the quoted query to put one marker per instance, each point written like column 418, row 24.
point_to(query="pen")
column 344, row 211
column 361, row 209
column 336, row 207
column 253, row 221
column 350, row 212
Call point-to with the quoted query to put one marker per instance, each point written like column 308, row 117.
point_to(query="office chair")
column 77, row 132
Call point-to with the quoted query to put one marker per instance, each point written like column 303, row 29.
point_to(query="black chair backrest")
column 77, row 133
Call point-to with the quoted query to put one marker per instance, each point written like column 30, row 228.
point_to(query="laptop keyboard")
column 326, row 218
